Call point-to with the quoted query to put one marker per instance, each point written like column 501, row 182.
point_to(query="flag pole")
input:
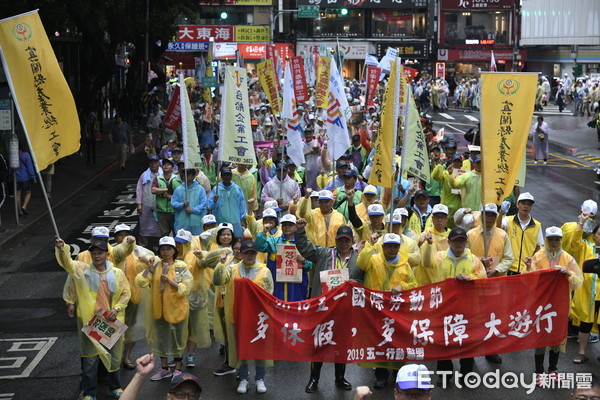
column 486, row 240
column 405, row 125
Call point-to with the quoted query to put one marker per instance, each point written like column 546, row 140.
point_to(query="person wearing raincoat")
column 226, row 276
column 198, row 324
column 553, row 257
column 170, row 284
column 189, row 204
column 470, row 185
column 227, row 202
column 385, row 270
column 98, row 286
column 438, row 234
column 366, row 199
column 246, row 180
column 323, row 222
column 585, row 303
column 441, row 173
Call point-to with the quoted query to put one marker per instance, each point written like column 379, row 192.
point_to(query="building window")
column 391, row 23
column 475, row 28
column 333, row 22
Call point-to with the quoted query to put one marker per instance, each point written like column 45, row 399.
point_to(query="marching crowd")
column 200, row 229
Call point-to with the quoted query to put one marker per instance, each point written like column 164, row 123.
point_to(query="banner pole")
column 486, row 240
column 395, row 141
column 12, row 122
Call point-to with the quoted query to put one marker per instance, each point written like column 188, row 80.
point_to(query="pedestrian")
column 553, row 257
column 189, row 204
column 469, row 183
column 227, row 202
column 323, row 222
column 341, row 194
column 24, row 175
column 413, row 381
column 260, row 275
column 121, row 137
column 540, row 131
column 325, row 258
column 247, row 182
column 420, row 218
column 99, row 286
column 146, row 204
column 184, row 386
column 163, row 188
column 459, row 263
column 170, row 283
column 91, row 134
column 311, row 154
column 281, row 188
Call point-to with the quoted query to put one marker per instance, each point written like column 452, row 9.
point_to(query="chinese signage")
column 188, row 46
column 226, row 33
column 105, row 332
column 224, row 50
column 477, row 4
column 173, row 117
column 5, row 115
column 289, row 269
column 405, row 49
column 352, row 51
column 300, row 89
column 252, row 34
column 308, row 11
column 235, row 134
column 395, row 4
column 266, row 76
column 444, row 320
column 322, row 86
column 506, row 110
column 478, row 54
column 414, row 149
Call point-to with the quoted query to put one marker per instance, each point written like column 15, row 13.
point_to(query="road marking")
column 428, row 116
column 472, row 118
column 447, row 116
column 455, row 128
column 6, row 396
column 39, row 345
column 567, row 159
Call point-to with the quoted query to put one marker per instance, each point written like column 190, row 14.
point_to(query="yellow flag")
column 506, row 109
column 383, row 166
column 268, row 81
column 41, row 93
column 207, row 92
column 322, row 86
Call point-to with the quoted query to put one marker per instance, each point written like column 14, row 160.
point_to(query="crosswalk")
column 552, row 109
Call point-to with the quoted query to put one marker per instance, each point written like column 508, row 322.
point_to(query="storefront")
column 471, row 30
column 354, row 53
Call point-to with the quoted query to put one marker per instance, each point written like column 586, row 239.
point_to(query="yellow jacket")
column 381, row 274
column 320, row 229
column 414, row 223
column 446, row 265
column 523, row 242
column 132, row 266
column 541, row 260
column 440, row 242
column 499, row 247
column 86, row 279
column 569, row 230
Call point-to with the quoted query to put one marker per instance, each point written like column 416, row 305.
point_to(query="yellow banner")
column 506, row 109
column 207, row 92
column 266, row 76
column 41, row 93
column 322, row 86
column 252, row 34
column 414, row 148
column 383, row 167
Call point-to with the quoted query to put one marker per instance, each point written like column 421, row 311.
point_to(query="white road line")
column 49, row 342
column 6, row 396
column 447, row 116
column 455, row 128
column 428, row 116
column 472, row 118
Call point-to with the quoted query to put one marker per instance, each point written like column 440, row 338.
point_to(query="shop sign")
column 352, row 51
column 478, row 54
column 390, row 4
column 477, row 4
column 187, row 46
column 225, row 50
column 308, row 11
column 405, row 49
column 203, row 33
column 252, row 34
column 252, row 51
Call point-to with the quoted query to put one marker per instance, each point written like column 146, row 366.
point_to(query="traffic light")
column 344, row 11
column 224, row 15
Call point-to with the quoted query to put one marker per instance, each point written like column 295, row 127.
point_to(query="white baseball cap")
column 414, row 376
column 392, row 238
column 553, row 231
column 589, row 206
column 375, row 209
column 439, row 209
column 401, row 211
column 100, row 231
column 288, row 218
column 325, row 195
column 166, row 241
column 183, row 236
column 121, row 228
column 370, row 189
column 396, row 218
column 315, row 193
column 491, row 208
column 224, row 225
column 525, row 196
column 269, row 212
column 209, row 219
column 473, row 147
column 272, row 204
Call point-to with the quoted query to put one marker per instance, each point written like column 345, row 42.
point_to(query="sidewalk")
column 72, row 175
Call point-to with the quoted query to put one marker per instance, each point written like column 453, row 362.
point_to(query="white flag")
column 338, row 111
column 191, row 148
column 295, row 147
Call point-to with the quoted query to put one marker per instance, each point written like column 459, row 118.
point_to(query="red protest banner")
column 300, row 88
column 444, row 320
column 373, row 74
column 173, row 117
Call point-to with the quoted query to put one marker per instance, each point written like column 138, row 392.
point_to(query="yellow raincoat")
column 225, row 275
column 499, row 248
column 451, row 200
column 321, row 229
column 381, row 274
column 255, row 226
column 569, row 229
column 440, row 242
column 87, row 279
column 247, row 182
column 445, row 265
column 167, row 316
